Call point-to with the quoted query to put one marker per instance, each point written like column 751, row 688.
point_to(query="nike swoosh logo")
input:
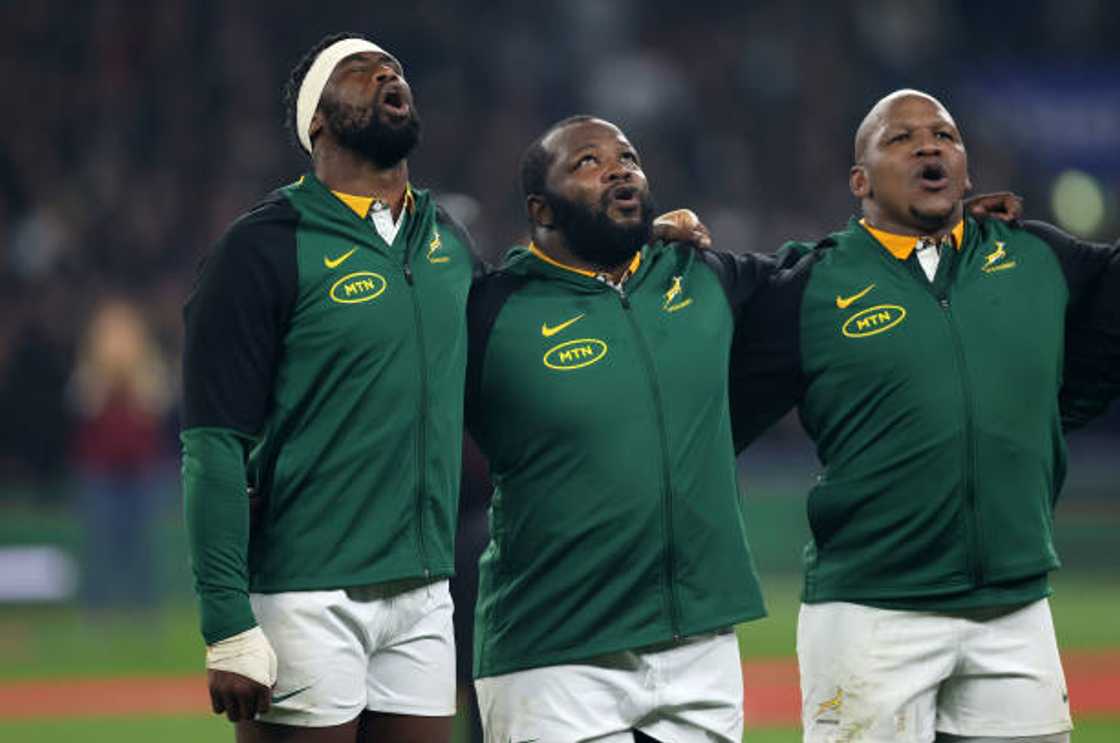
column 281, row 697
column 844, row 302
column 339, row 260
column 548, row 332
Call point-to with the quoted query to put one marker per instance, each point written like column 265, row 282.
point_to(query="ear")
column 315, row 126
column 858, row 182
column 540, row 213
column 967, row 182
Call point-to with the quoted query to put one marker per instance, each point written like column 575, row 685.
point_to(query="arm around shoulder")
column 766, row 370
column 1091, row 373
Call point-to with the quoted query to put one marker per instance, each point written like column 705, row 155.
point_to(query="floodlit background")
column 133, row 133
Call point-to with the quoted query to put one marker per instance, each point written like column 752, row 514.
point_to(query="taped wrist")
column 247, row 654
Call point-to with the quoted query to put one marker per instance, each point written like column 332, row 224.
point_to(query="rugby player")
column 324, row 359
column 924, row 350
column 597, row 386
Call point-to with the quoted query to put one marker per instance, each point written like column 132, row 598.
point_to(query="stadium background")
column 134, row 132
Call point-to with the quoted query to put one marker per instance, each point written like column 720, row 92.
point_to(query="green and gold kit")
column 933, row 403
column 616, row 521
column 323, row 368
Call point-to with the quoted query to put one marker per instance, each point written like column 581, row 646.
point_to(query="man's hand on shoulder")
column 1002, row 205
column 240, row 672
column 682, row 225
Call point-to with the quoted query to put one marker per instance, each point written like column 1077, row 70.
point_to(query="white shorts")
column 691, row 690
column 887, row 675
column 388, row 647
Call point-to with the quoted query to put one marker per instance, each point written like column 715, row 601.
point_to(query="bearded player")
column 597, row 386
column 323, row 368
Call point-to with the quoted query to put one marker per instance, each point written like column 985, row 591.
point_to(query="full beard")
column 362, row 131
column 594, row 237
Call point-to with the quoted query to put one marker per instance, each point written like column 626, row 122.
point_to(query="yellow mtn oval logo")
column 575, row 354
column 360, row 286
column 874, row 320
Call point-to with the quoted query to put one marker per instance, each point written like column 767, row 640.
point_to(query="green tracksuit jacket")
column 933, row 405
column 324, row 368
column 616, row 520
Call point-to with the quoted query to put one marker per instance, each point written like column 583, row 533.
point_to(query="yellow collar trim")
column 901, row 246
column 362, row 204
column 634, row 263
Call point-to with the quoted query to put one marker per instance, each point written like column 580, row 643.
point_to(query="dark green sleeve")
column 217, row 519
column 1091, row 373
column 234, row 324
column 766, row 376
column 488, row 294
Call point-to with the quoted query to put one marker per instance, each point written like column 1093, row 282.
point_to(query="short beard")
column 362, row 131
column 932, row 222
column 594, row 237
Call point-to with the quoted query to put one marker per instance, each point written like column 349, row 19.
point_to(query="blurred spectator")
column 121, row 392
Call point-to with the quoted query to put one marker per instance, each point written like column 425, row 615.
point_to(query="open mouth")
column 626, row 197
column 394, row 100
column 933, row 176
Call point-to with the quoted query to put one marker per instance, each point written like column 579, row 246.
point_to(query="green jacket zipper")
column 940, row 294
column 422, row 413
column 974, row 541
column 666, row 479
column 972, row 515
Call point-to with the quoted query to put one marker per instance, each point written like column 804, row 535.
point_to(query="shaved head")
column 911, row 168
column 876, row 117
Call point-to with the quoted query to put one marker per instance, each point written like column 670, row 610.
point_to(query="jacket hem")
column 335, row 582
column 635, row 642
column 813, row 593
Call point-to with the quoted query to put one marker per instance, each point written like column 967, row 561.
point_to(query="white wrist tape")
column 248, row 654
column 316, row 79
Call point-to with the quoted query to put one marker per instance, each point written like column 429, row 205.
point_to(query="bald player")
column 924, row 351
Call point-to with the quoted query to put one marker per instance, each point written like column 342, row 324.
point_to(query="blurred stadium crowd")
column 136, row 131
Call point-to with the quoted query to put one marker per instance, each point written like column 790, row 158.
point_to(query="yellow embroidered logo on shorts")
column 577, row 354
column 994, row 261
column 873, row 320
column 433, row 247
column 832, row 704
column 360, row 286
column 674, row 291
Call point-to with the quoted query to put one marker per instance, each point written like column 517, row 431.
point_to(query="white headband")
column 316, row 79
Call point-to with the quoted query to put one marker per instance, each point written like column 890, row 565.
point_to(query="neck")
column 553, row 244
column 346, row 171
column 935, row 227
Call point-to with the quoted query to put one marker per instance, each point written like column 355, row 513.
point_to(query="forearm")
column 217, row 518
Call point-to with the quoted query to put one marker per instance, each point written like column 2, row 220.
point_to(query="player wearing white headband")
column 324, row 361
column 323, row 368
